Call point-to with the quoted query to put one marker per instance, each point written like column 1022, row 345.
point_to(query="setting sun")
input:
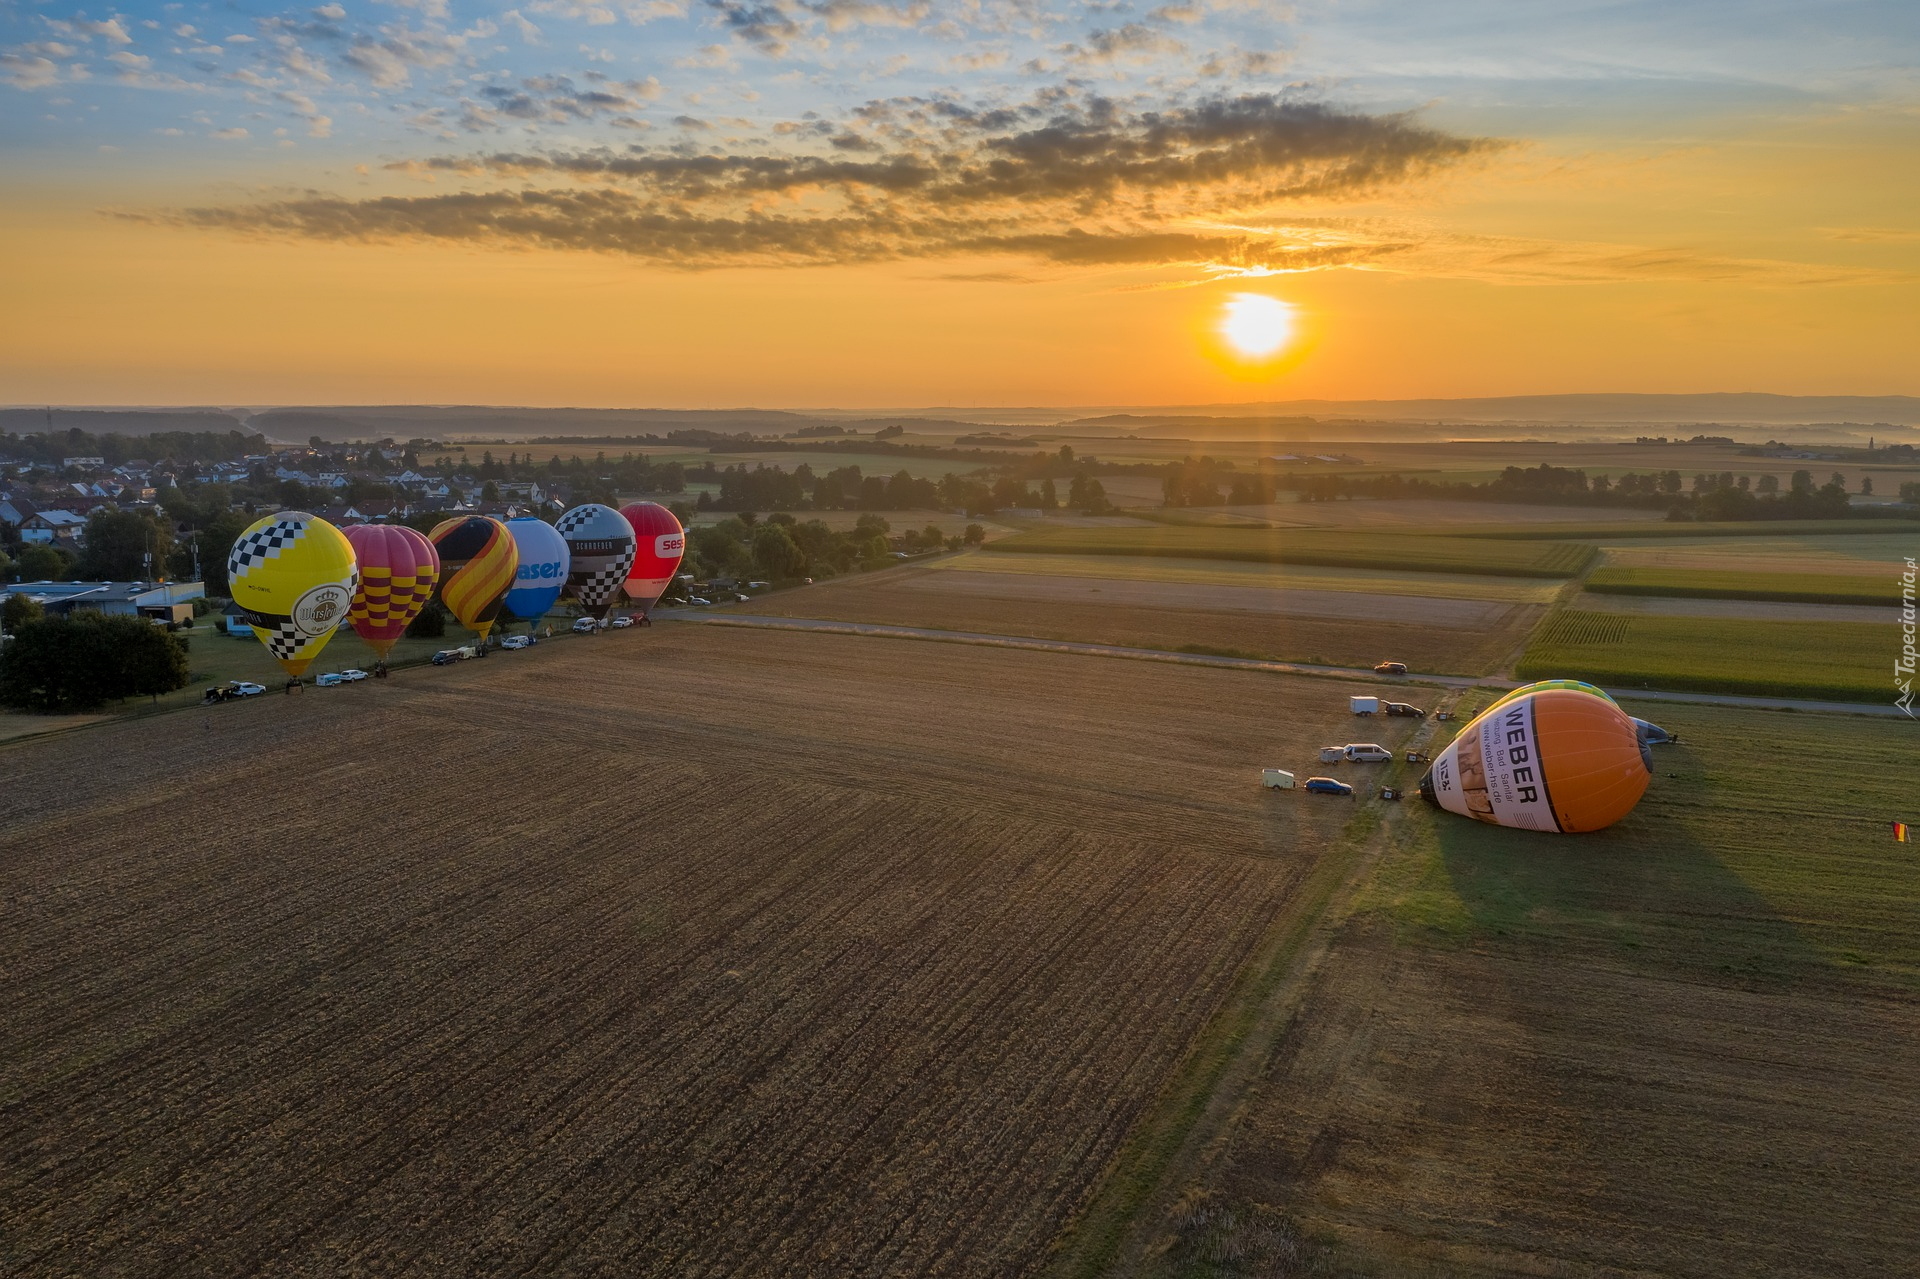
column 1255, row 325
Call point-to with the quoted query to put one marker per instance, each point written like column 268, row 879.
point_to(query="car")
column 517, row 641
column 743, row 599
column 1405, row 710
column 1368, row 753
column 584, row 626
column 329, row 680
column 244, row 688
column 230, row 691
column 353, row 676
column 698, row 600
column 1327, row 786
column 448, row 656
column 621, row 622
column 1390, row 668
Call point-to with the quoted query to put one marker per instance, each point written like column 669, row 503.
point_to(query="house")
column 14, row 511
column 52, row 528
column 161, row 601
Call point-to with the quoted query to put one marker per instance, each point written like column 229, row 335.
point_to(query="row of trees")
column 783, row 548
column 845, row 488
column 83, row 660
column 51, row 448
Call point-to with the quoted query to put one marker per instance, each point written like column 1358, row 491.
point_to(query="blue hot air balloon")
column 544, row 562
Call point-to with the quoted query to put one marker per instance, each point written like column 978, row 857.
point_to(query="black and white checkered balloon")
column 600, row 547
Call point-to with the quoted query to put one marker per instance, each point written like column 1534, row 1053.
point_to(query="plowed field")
column 679, row 952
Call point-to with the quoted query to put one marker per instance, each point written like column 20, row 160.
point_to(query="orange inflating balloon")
column 1554, row 760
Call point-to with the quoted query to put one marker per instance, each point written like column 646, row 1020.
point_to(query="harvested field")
column 1186, row 596
column 1425, row 515
column 1031, row 605
column 1874, row 550
column 1464, row 586
column 1401, row 551
column 1850, row 661
column 1679, row 1047
column 690, row 951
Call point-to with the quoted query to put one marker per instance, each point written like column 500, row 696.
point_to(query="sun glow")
column 1256, row 326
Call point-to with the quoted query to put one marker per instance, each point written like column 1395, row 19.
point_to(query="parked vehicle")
column 584, row 626
column 1405, row 710
column 353, row 676
column 1390, row 668
column 1368, row 753
column 517, row 642
column 1364, row 705
column 1332, row 754
column 233, row 690
column 698, row 600
column 621, row 621
column 1276, row 779
column 448, row 656
column 1327, row 786
column 329, row 680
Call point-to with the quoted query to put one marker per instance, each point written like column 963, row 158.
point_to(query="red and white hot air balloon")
column 659, row 542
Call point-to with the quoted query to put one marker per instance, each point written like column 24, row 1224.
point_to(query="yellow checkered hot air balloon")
column 293, row 575
column 478, row 560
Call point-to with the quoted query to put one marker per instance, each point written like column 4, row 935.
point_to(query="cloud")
column 28, row 71
column 766, row 27
column 228, row 135
column 111, row 30
column 1133, row 43
column 1077, row 184
column 389, row 59
column 841, row 15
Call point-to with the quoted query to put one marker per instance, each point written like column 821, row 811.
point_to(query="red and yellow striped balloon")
column 478, row 560
column 398, row 571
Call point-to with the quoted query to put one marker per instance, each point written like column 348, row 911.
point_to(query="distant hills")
column 1541, row 415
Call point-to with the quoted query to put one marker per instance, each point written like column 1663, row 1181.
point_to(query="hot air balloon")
column 1554, row 760
column 477, row 564
column 659, row 542
column 398, row 570
column 600, row 545
column 293, row 575
column 543, row 568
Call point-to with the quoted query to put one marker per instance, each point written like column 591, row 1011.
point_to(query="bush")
column 82, row 661
column 431, row 623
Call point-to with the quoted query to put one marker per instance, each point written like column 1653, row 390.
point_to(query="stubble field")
column 690, row 951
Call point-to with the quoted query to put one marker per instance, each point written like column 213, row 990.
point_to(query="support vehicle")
column 1327, row 786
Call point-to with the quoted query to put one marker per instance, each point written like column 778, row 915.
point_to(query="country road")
column 1886, row 710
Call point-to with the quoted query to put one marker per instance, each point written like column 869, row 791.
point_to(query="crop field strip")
column 1403, row 551
column 1848, row 661
column 911, row 597
column 1805, row 588
column 736, row 985
column 1678, row 1047
column 1512, row 590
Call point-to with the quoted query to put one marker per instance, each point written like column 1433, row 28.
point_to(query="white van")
column 1367, row 753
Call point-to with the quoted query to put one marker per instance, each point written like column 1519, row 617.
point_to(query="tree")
column 1803, row 481
column 17, row 612
column 776, row 553
column 42, row 564
column 431, row 623
column 1866, row 486
column 975, row 535
column 119, row 544
column 1768, row 485
column 81, row 661
column 6, row 567
column 212, row 542
column 1049, row 496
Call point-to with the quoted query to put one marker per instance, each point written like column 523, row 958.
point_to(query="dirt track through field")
column 688, row 952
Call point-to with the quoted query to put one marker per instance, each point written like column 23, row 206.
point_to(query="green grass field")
column 1763, row 848
column 1849, row 661
column 1804, row 588
column 1406, row 552
column 1364, row 581
column 1660, row 529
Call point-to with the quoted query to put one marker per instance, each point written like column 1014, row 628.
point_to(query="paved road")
column 1240, row 663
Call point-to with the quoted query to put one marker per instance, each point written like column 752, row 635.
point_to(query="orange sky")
column 1769, row 247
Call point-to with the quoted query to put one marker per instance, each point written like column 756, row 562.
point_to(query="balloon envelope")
column 293, row 575
column 659, row 542
column 1554, row 760
column 477, row 564
column 600, row 546
column 543, row 567
column 398, row 571
column 1545, row 684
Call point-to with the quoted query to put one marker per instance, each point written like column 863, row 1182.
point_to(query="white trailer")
column 1364, row 705
column 1277, row 779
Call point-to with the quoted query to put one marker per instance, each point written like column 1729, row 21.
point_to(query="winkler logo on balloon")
column 293, row 575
